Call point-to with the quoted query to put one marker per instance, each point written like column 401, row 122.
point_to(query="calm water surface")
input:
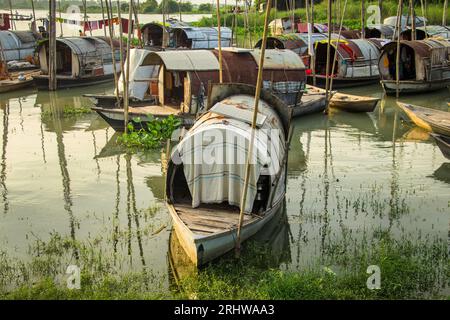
column 350, row 176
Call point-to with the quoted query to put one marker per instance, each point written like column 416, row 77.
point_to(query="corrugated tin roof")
column 198, row 60
column 279, row 59
column 26, row 36
column 83, row 45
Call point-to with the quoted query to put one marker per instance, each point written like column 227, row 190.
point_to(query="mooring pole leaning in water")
column 113, row 51
column 252, row 136
column 397, row 59
column 327, row 73
column 52, row 47
column 127, row 70
column 220, row 42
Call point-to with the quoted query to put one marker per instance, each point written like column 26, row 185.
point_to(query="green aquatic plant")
column 156, row 133
column 68, row 111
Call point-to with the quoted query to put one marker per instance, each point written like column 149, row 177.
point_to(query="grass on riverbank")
column 408, row 271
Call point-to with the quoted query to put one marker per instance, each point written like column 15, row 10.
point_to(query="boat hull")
column 343, row 82
column 443, row 143
column 110, row 101
column 355, row 106
column 412, row 87
column 309, row 106
column 15, row 85
column 41, row 82
column 431, row 120
column 203, row 249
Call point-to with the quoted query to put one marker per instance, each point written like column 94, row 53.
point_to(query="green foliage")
column 149, row 6
column 168, row 6
column 68, row 111
column 205, row 8
column 155, row 135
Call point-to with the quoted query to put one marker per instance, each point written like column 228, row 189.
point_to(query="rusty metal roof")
column 184, row 60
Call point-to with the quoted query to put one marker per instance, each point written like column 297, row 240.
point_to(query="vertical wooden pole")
column 136, row 25
column 109, row 13
column 313, row 57
column 422, row 6
column 13, row 23
column 337, row 46
column 34, row 17
column 397, row 60
column 52, row 47
column 252, row 137
column 220, row 41
column 85, row 19
column 127, row 72
column 444, row 13
column 60, row 17
column 413, row 20
column 363, row 19
column 380, row 5
column 103, row 17
column 327, row 73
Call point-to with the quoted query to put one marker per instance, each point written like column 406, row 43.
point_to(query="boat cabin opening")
column 153, row 35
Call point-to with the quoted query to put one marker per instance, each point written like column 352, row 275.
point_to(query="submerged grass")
column 68, row 111
column 408, row 271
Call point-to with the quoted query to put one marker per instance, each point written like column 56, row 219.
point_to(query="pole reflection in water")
column 56, row 119
column 5, row 108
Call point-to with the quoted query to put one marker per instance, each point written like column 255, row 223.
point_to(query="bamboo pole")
column 13, row 23
column 422, row 6
column 397, row 59
column 34, row 17
column 220, row 41
column 252, row 137
column 52, row 47
column 136, row 25
column 327, row 73
column 60, row 17
column 380, row 5
column 85, row 17
column 339, row 39
column 413, row 20
column 122, row 64
column 313, row 57
column 113, row 52
column 363, row 19
column 444, row 13
column 103, row 17
column 127, row 71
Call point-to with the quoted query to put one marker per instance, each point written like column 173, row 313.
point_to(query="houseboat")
column 423, row 66
column 204, row 198
column 177, row 82
column 80, row 61
column 18, row 48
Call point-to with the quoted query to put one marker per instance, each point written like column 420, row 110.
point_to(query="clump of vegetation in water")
column 408, row 270
column 157, row 132
column 68, row 111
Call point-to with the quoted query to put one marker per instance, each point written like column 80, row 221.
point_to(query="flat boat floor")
column 210, row 219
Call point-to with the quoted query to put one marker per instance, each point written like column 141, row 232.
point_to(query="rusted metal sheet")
column 279, row 60
column 198, row 60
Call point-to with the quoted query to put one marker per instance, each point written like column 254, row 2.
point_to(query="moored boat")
column 443, row 142
column 436, row 121
column 422, row 66
column 348, row 102
column 81, row 61
column 204, row 197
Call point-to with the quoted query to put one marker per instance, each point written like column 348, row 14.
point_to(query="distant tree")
column 168, row 6
column 205, row 7
column 124, row 7
column 186, row 6
column 149, row 6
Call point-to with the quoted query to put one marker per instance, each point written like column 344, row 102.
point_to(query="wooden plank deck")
column 209, row 220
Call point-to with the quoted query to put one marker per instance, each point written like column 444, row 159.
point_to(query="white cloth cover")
column 139, row 75
column 214, row 153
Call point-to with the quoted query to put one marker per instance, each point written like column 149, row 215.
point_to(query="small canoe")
column 436, row 121
column 443, row 142
column 309, row 104
column 348, row 102
column 13, row 85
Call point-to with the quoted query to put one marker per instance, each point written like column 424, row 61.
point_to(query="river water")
column 349, row 177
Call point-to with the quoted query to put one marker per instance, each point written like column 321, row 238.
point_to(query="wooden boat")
column 9, row 85
column 348, row 102
column 436, row 121
column 82, row 61
column 176, row 82
column 443, row 142
column 203, row 200
column 310, row 103
column 421, row 67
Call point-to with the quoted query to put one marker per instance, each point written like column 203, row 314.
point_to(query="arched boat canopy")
column 419, row 60
column 199, row 37
column 156, row 34
column 297, row 42
column 18, row 45
column 422, row 33
column 77, row 54
column 224, row 132
column 379, row 31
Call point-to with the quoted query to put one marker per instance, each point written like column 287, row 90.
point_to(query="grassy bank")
column 408, row 270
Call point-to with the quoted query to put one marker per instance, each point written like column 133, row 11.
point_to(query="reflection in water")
column 443, row 173
column 56, row 124
column 5, row 108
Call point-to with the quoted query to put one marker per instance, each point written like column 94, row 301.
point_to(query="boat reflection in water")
column 273, row 240
column 443, row 173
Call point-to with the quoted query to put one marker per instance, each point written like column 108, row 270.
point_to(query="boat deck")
column 210, row 219
column 155, row 110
